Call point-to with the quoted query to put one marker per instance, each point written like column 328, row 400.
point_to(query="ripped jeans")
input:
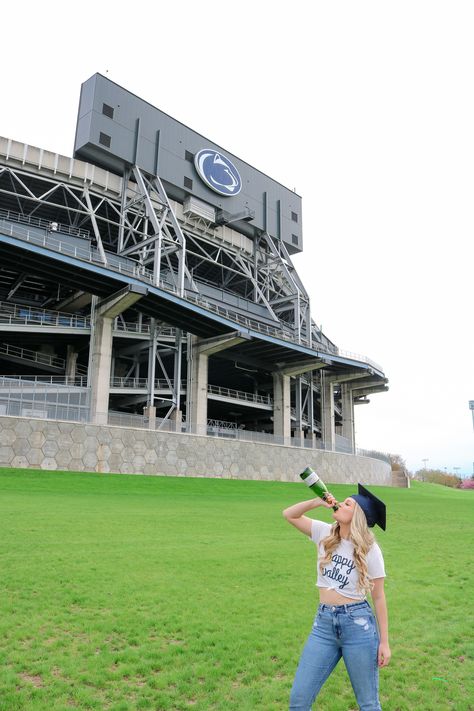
column 347, row 631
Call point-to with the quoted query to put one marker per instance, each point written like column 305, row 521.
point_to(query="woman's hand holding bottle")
column 329, row 502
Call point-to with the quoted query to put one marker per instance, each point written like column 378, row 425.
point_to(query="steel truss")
column 187, row 251
column 143, row 226
column 184, row 253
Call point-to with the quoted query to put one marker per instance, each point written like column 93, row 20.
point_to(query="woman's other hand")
column 384, row 654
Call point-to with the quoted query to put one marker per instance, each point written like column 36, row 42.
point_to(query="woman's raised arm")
column 295, row 514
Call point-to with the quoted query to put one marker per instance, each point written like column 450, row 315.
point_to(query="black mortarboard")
column 373, row 508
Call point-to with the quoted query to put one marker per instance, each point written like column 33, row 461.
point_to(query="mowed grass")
column 132, row 592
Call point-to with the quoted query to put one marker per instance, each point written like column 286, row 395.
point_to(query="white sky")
column 366, row 108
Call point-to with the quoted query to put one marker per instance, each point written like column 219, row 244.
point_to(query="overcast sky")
column 366, row 108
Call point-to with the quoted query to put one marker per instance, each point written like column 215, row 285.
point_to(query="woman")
column 350, row 565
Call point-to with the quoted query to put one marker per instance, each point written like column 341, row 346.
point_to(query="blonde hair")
column 362, row 538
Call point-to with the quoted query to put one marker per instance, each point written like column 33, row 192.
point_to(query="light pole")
column 424, row 467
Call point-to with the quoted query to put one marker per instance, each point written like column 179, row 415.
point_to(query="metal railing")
column 14, row 314
column 142, row 383
column 144, row 329
column 32, row 356
column 222, row 424
column 133, row 269
column 44, row 359
column 373, row 454
column 128, row 327
column 48, row 225
column 163, row 384
column 126, row 419
column 239, row 395
column 31, row 381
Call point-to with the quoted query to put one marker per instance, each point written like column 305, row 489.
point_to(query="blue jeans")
column 348, row 631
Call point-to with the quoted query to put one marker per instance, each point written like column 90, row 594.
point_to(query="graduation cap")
column 373, row 508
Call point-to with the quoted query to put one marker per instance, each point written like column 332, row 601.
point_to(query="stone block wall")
column 47, row 444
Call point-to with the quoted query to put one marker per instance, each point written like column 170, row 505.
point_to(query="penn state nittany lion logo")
column 218, row 172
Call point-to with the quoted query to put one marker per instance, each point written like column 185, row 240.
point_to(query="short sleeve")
column 375, row 563
column 319, row 530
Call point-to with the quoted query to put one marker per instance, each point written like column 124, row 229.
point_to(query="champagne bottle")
column 317, row 485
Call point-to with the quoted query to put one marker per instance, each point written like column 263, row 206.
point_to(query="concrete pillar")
column 281, row 406
column 348, row 414
column 327, row 415
column 177, row 418
column 150, row 412
column 298, row 431
column 197, row 389
column 311, row 402
column 71, row 360
column 101, row 368
column 103, row 316
column 199, row 350
column 177, row 414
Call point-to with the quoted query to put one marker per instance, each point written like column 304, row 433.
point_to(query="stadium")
column 152, row 319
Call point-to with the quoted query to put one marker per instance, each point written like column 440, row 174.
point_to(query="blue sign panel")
column 218, row 172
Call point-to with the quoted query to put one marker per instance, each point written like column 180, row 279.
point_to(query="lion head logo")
column 218, row 172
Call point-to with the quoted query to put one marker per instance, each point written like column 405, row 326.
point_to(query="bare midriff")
column 327, row 596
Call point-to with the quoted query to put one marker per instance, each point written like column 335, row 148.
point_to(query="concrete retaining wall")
column 46, row 444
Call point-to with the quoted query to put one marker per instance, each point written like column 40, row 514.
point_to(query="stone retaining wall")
column 47, row 444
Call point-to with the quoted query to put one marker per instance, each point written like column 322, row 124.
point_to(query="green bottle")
column 317, row 485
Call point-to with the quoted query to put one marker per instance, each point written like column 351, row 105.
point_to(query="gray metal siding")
column 162, row 137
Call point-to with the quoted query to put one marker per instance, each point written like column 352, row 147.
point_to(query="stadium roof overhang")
column 261, row 350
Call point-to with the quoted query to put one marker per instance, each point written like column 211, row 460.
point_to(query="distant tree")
column 467, row 483
column 398, row 464
column 436, row 476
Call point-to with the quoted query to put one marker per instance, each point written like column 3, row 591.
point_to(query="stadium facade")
column 148, row 282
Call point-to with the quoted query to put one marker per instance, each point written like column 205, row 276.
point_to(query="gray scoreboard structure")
column 148, row 279
column 116, row 130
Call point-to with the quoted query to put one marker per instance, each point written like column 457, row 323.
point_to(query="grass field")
column 131, row 592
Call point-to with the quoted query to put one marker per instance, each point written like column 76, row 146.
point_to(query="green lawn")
column 132, row 592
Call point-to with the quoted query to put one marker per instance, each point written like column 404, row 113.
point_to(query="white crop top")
column 341, row 573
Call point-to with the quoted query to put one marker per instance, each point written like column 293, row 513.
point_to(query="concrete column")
column 311, row 402
column 348, row 414
column 71, row 360
column 311, row 437
column 101, row 368
column 327, row 415
column 197, row 388
column 177, row 418
column 199, row 350
column 281, row 406
column 103, row 316
column 299, row 434
column 177, row 414
column 150, row 412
